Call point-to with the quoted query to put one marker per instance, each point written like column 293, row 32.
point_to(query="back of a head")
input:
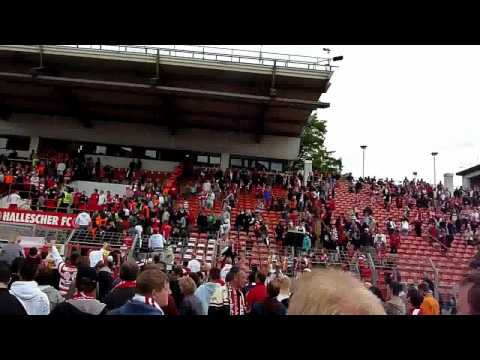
column 260, row 277
column 273, row 288
column 333, row 292
column 396, row 288
column 33, row 251
column 187, row 285
column 149, row 280
column 129, row 271
column 44, row 276
column 28, row 271
column 424, row 288
column 86, row 279
column 214, row 274
column 5, row 273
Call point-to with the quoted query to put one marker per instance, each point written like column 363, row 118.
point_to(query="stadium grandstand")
column 178, row 161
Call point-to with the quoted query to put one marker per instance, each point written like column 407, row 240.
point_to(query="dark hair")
column 44, row 255
column 377, row 292
column 424, row 287
column 74, row 257
column 129, row 271
column 5, row 273
column 396, row 288
column 177, row 270
column 85, row 284
column 33, row 251
column 28, row 271
column 415, row 298
column 273, row 288
column 214, row 274
column 260, row 277
column 156, row 259
column 474, row 292
column 231, row 274
column 252, row 276
column 195, row 278
column 44, row 276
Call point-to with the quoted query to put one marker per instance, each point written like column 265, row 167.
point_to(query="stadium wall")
column 122, row 133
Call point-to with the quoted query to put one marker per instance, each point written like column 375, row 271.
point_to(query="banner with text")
column 55, row 220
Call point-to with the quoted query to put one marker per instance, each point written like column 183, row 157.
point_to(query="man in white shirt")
column 102, row 199
column 156, row 241
column 83, row 220
column 61, row 168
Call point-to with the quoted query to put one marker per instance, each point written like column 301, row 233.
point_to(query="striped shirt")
column 67, row 272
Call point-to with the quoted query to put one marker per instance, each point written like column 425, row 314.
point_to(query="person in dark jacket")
column 105, row 278
column 270, row 306
column 84, row 300
column 174, row 287
column 125, row 289
column 9, row 304
column 151, row 293
column 190, row 303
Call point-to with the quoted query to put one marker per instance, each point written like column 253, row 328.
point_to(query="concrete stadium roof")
column 200, row 87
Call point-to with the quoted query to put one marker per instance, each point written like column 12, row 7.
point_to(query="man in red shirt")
column 394, row 241
column 93, row 201
column 259, row 292
column 166, row 230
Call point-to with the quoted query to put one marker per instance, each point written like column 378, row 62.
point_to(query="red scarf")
column 129, row 284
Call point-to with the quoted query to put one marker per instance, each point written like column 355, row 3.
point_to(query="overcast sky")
column 403, row 102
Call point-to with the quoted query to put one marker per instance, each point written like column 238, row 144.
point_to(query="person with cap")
column 26, row 290
column 430, row 305
column 9, row 304
column 84, row 300
column 151, row 293
column 125, row 289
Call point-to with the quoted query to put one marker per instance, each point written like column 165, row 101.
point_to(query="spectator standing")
column 26, row 290
column 67, row 271
column 270, row 305
column 11, row 251
column 84, row 300
column 233, row 299
column 395, row 306
column 151, row 293
column 210, row 293
column 9, row 304
column 45, row 279
column 190, row 304
column 429, row 305
column 259, row 292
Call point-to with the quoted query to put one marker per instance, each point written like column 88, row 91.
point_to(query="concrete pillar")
column 448, row 181
column 465, row 183
column 224, row 161
column 34, row 141
column 307, row 169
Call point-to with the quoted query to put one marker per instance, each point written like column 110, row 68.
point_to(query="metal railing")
column 216, row 54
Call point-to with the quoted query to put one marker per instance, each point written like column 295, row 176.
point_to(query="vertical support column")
column 448, row 181
column 307, row 169
column 224, row 161
column 34, row 141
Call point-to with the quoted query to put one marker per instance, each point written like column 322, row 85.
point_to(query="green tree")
column 312, row 147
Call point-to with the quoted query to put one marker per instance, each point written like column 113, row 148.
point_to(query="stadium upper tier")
column 181, row 87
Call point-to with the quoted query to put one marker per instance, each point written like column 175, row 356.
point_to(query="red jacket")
column 257, row 294
column 394, row 240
